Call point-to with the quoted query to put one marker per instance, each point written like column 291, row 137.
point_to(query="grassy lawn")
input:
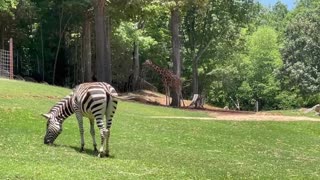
column 148, row 148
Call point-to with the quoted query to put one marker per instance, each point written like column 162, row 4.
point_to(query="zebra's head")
column 54, row 128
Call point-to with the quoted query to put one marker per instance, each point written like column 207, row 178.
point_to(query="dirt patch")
column 241, row 117
column 258, row 117
column 216, row 113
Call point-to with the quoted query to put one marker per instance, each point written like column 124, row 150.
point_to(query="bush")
column 289, row 100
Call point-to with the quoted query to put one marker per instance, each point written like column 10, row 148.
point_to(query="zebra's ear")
column 47, row 116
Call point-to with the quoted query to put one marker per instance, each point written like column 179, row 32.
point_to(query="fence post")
column 11, row 58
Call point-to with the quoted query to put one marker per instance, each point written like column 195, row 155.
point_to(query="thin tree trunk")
column 2, row 36
column 195, row 77
column 42, row 52
column 38, row 65
column 195, row 63
column 75, row 62
column 81, row 62
column 61, row 33
column 136, row 58
column 175, row 22
column 17, row 66
column 86, row 54
column 136, row 65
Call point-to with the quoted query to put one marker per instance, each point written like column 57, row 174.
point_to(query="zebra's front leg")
column 80, row 123
column 92, row 132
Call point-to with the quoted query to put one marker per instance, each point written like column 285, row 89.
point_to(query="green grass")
column 145, row 148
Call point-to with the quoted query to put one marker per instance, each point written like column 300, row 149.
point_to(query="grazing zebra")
column 92, row 100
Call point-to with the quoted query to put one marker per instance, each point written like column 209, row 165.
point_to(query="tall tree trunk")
column 136, row 64
column 108, row 49
column 103, row 55
column 175, row 40
column 86, row 49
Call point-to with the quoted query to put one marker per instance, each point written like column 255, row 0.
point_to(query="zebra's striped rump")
column 91, row 100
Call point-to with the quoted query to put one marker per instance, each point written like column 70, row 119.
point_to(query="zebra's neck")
column 63, row 108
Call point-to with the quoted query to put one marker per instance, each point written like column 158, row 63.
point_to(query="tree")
column 103, row 51
column 175, row 41
column 208, row 25
column 301, row 71
column 263, row 61
column 86, row 51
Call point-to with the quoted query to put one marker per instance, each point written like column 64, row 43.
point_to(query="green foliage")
column 288, row 100
column 7, row 5
column 129, row 33
column 301, row 55
column 252, row 76
column 262, row 61
column 275, row 17
column 211, row 32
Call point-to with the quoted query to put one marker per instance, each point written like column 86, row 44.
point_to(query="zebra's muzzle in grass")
column 54, row 128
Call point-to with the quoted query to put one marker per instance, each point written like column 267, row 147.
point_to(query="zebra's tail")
column 125, row 98
column 110, row 110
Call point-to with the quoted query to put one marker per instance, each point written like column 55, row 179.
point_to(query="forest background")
column 234, row 53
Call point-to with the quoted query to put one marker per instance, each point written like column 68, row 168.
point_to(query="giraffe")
column 169, row 80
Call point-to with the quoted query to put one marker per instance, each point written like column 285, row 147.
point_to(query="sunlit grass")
column 146, row 148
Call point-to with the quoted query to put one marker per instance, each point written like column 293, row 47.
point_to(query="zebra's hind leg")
column 80, row 123
column 92, row 132
column 111, row 109
column 103, row 134
column 107, row 142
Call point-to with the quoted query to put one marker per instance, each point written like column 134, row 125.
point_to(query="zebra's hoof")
column 107, row 154
column 95, row 150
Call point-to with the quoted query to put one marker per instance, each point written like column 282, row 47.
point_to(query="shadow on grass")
column 88, row 151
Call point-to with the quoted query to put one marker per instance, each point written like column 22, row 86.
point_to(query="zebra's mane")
column 63, row 108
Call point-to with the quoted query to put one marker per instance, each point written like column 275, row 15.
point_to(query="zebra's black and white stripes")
column 92, row 100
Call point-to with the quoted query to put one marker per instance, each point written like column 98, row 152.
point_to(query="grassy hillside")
column 146, row 148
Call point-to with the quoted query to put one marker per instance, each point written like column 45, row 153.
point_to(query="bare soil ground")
column 149, row 97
